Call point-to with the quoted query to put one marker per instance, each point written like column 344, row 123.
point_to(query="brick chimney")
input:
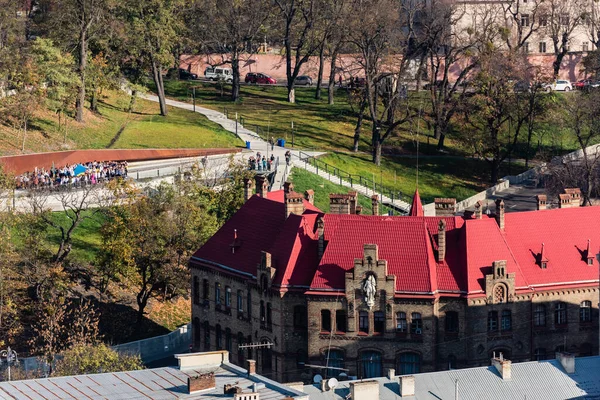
column 339, row 203
column 504, row 367
column 575, row 194
column 445, row 207
column 407, row 386
column 353, row 201
column 262, row 186
column 201, row 382
column 541, row 201
column 359, row 210
column 375, row 204
column 364, row 390
column 294, row 203
column 567, row 360
column 248, row 188
column 288, row 187
column 251, row 367
column 309, row 196
column 321, row 234
column 441, row 240
column 478, row 210
column 564, row 200
column 500, row 213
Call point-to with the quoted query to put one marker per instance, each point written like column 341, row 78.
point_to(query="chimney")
column 375, row 204
column 500, row 213
column 251, row 367
column 541, row 201
column 574, row 196
column 231, row 388
column 391, row 373
column 294, row 203
column 478, row 210
column 503, row 366
column 309, row 196
column 364, row 390
column 339, row 203
column 407, row 386
column 353, row 200
column 262, row 186
column 248, row 188
column 358, row 210
column 441, row 240
column 444, row 207
column 321, row 234
column 201, row 382
column 567, row 360
column 288, row 187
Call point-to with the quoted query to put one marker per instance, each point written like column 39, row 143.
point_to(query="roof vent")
column 236, row 244
column 503, row 366
column 542, row 258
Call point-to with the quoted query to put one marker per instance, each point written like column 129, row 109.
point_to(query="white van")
column 218, row 73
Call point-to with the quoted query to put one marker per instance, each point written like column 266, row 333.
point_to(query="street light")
column 11, row 357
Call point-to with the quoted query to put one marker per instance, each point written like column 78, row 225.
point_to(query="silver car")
column 304, row 80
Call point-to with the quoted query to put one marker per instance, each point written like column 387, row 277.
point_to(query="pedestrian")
column 272, row 142
column 340, row 80
column 204, row 161
column 351, row 82
column 264, row 163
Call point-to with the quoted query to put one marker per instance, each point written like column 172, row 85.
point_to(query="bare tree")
column 559, row 21
column 525, row 20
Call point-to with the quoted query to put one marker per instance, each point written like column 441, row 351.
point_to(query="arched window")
column 228, row 342
column 341, row 321
column 240, row 341
column 325, row 321
column 451, row 318
column 585, row 311
column 300, row 317
column 409, row 363
column 196, row 332
column 401, row 323
column 560, row 314
column 269, row 316
column 227, row 297
column 499, row 294
column 370, row 364
column 492, row 321
column 379, row 322
column 334, row 359
column 363, row 322
column 540, row 354
column 264, row 283
column 217, row 293
column 539, row 315
column 218, row 338
column 205, row 289
column 240, row 301
column 506, row 321
column 196, row 290
column 262, row 314
column 416, row 324
column 267, row 359
column 206, row 336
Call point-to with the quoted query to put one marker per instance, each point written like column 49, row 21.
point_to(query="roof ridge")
column 513, row 256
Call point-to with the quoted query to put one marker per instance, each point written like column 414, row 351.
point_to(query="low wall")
column 159, row 347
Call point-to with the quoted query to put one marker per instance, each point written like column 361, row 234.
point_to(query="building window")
column 363, row 322
column 340, row 321
column 590, row 261
column 267, row 358
column 206, row 336
column 401, row 324
column 585, row 311
column 249, row 304
column 506, row 321
column 540, row 354
column 526, row 47
column 370, row 364
column 542, row 47
column 196, row 290
column 539, row 315
column 499, row 294
column 219, row 339
column 196, row 332
column 409, row 363
column 543, row 20
column 524, row 19
column 227, row 297
column 300, row 317
column 217, row 293
column 325, row 321
column 416, row 323
column 492, row 321
column 240, row 341
column 262, row 314
column 564, row 19
column 264, row 283
column 584, row 47
column 560, row 316
column 240, row 301
column 451, row 321
column 334, row 359
column 228, row 343
column 379, row 322
column 269, row 316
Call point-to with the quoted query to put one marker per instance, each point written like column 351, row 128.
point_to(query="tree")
column 84, row 359
column 152, row 29
column 560, row 20
column 526, row 19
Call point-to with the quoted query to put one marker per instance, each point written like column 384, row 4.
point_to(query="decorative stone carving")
column 369, row 287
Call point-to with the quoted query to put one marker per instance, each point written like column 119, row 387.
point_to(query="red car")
column 262, row 79
column 582, row 84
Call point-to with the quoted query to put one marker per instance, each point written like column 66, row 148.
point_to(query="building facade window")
column 205, row 290
column 526, row 47
column 379, row 322
column 217, row 293
column 543, row 20
column 540, row 354
column 416, row 323
column 300, row 317
column 506, row 320
column 500, row 294
column 542, row 47
column 409, row 363
column 218, row 338
column 492, row 321
column 196, row 291
column 227, row 297
column 401, row 323
column 325, row 321
column 585, row 48
column 334, row 359
column 524, row 19
column 363, row 322
column 263, row 319
column 228, row 342
column 451, row 319
column 370, row 364
column 564, row 19
column 341, row 321
column 249, row 304
column 240, row 301
column 539, row 315
column 269, row 316
column 585, row 311
column 560, row 314
column 206, row 336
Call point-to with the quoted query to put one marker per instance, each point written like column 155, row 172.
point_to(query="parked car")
column 304, row 80
column 594, row 85
column 582, row 84
column 558, row 86
column 438, row 84
column 185, row 75
column 260, row 78
column 219, row 73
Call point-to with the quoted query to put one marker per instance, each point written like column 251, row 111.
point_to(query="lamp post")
column 11, row 357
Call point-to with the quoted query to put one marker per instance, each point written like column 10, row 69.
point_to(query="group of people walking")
column 261, row 163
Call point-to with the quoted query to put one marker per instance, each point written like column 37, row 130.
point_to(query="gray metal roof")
column 155, row 384
column 545, row 380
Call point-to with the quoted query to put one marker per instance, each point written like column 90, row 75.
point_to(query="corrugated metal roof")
column 545, row 380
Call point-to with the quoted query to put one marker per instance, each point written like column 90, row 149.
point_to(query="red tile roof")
column 416, row 209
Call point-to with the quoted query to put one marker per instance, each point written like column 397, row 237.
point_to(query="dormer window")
column 544, row 264
column 590, row 261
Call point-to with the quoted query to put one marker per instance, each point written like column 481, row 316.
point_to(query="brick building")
column 363, row 293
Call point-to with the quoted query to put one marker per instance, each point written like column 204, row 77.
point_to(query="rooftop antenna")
column 456, row 389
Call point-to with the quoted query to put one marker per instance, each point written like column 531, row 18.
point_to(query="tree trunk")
column 331, row 83
column 24, row 135
column 132, row 100
column 358, row 127
column 320, row 76
column 560, row 55
column 82, row 66
column 160, row 90
column 235, row 85
column 376, row 142
column 440, row 145
column 529, row 135
column 94, row 100
column 495, row 167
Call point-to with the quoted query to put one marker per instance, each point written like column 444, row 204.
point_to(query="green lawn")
column 86, row 238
